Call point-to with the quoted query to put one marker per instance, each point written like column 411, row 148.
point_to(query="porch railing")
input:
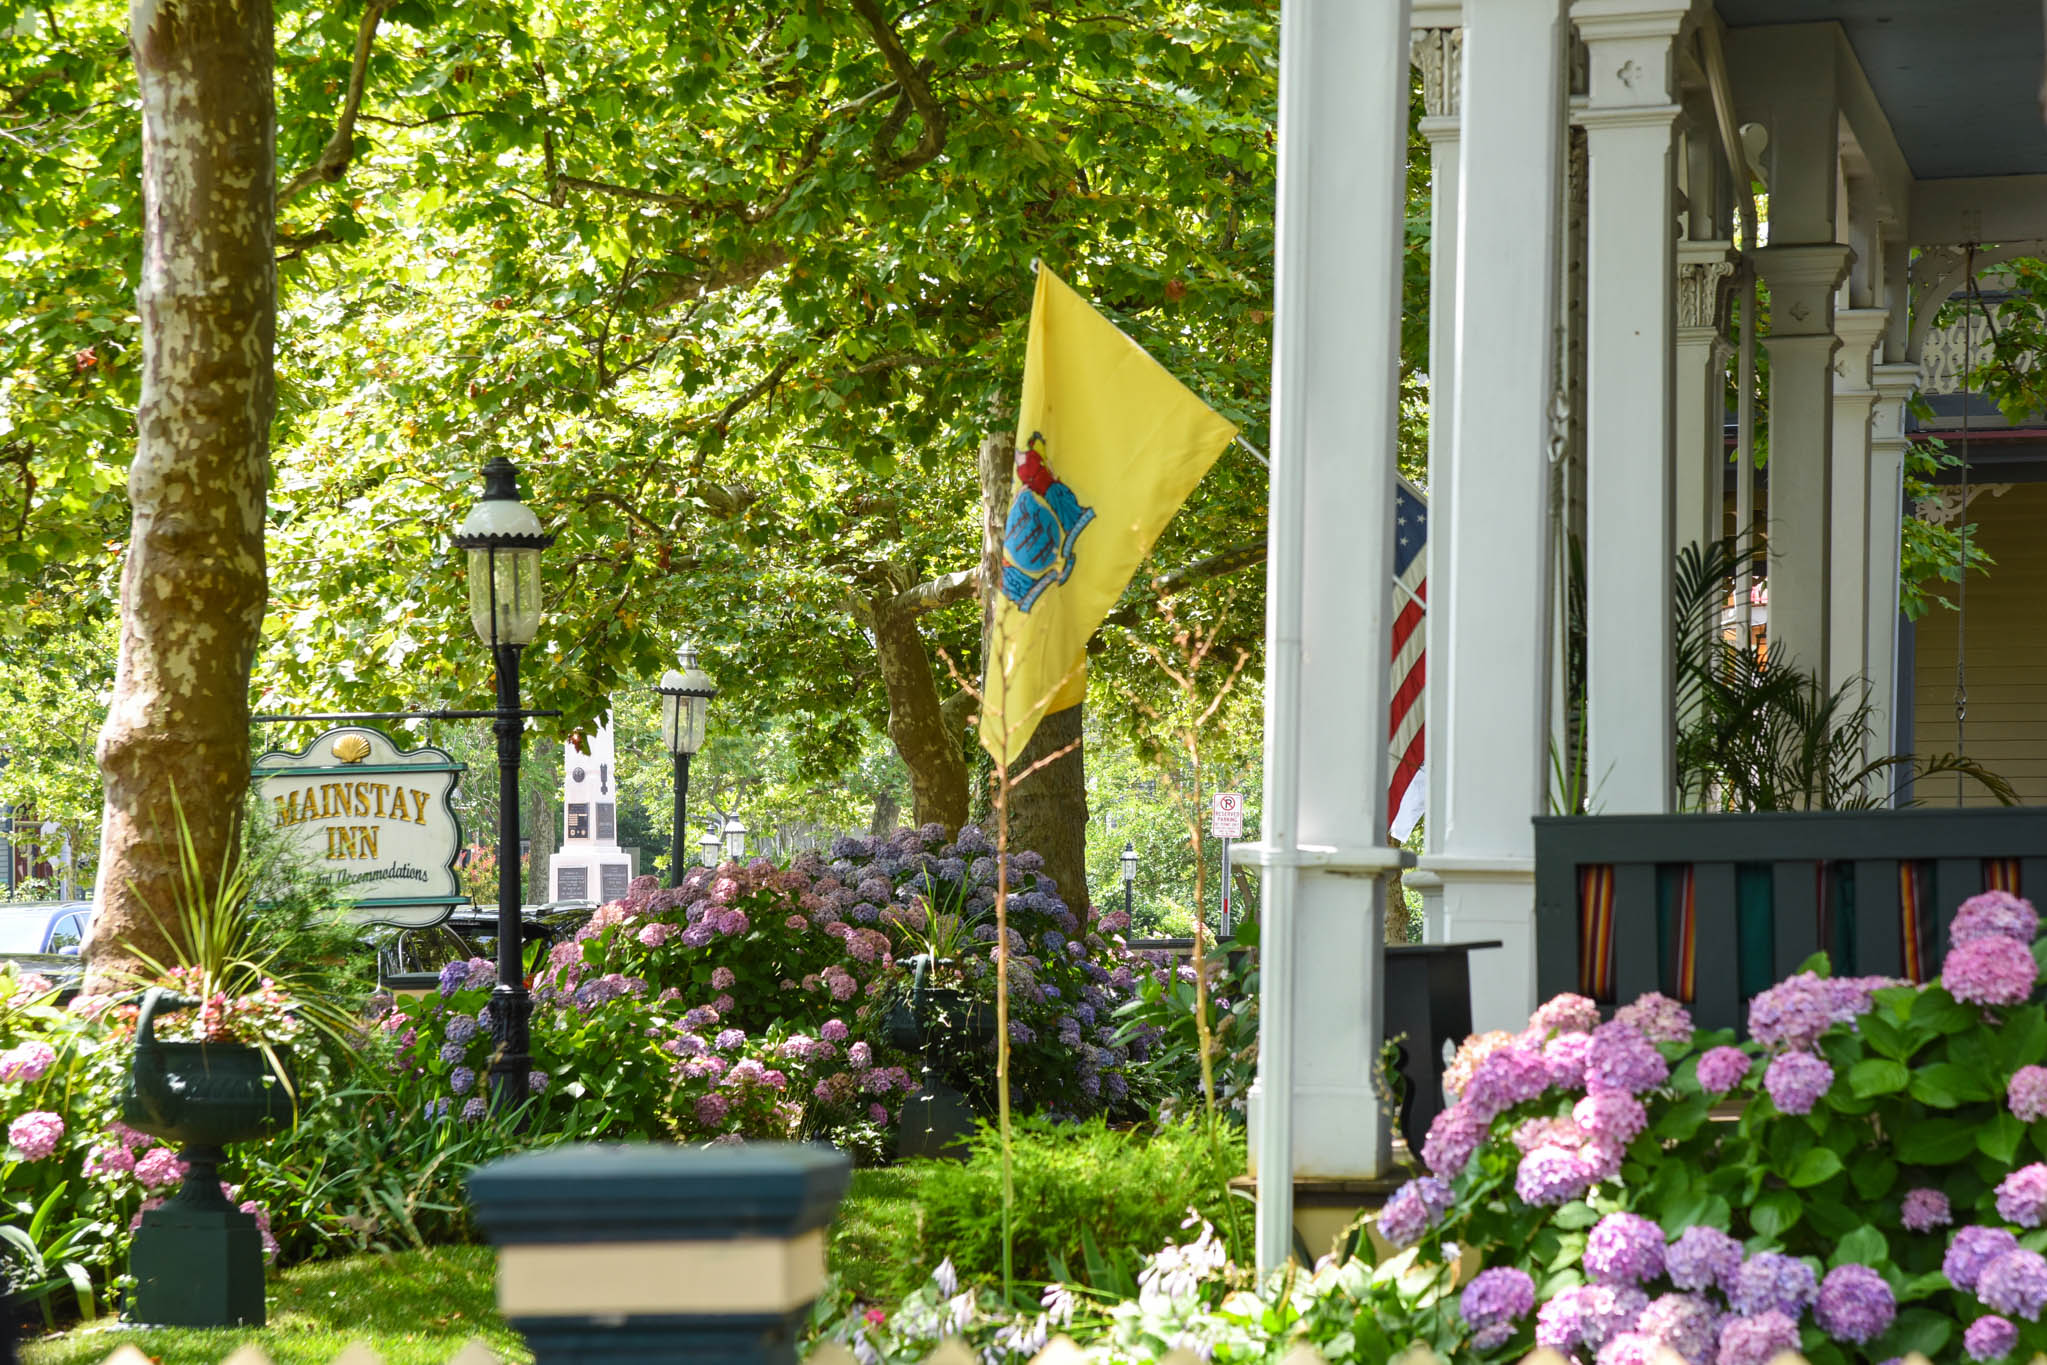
column 1711, row 909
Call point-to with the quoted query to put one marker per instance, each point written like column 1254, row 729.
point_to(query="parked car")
column 411, row 959
column 43, row 937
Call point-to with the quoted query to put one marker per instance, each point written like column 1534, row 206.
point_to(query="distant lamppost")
column 1129, row 878
column 711, row 843
column 685, row 704
column 504, row 540
column 735, row 837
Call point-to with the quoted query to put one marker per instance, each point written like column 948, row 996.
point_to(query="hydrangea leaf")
column 1814, row 1168
column 1999, row 1138
column 1878, row 1076
column 1774, row 1212
column 1864, row 1246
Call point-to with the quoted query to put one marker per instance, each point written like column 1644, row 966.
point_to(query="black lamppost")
column 1129, row 879
column 504, row 541
column 685, row 703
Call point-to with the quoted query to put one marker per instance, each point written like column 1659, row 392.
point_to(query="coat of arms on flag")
column 1044, row 521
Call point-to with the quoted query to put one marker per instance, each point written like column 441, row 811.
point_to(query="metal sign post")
column 1226, row 822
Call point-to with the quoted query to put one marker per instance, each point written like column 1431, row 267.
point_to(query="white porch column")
column 1493, row 731
column 1343, row 99
column 1859, row 330
column 1894, row 384
column 1704, row 271
column 1801, row 344
column 1439, row 55
column 1629, row 120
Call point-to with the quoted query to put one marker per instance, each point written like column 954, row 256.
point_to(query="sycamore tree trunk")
column 917, row 723
column 193, row 587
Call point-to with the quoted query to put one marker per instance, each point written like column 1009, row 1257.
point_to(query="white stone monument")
column 591, row 866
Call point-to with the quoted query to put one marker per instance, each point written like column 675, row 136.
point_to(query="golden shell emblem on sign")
column 351, row 748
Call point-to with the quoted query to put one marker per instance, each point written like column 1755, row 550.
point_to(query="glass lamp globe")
column 735, row 837
column 685, row 704
column 1129, row 863
column 503, row 540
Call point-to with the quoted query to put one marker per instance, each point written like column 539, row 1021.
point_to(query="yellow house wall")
column 2006, row 631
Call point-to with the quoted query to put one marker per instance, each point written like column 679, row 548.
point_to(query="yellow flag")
column 1108, row 445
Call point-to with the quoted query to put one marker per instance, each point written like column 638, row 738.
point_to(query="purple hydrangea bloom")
column 2027, row 1094
column 36, row 1134
column 711, row 1109
column 1549, row 1176
column 461, row 1029
column 1854, row 1304
column 728, row 1039
column 834, row 1031
column 1972, row 1249
column 452, row 977
column 1796, row 1011
column 1496, row 1297
column 1796, row 1080
column 461, row 1079
column 1565, row 1013
column 1630, row 1348
column 1990, row 1338
column 1621, row 1058
column 2022, row 1196
column 1684, row 1323
column 1659, row 1018
column 1565, row 1056
column 1413, row 1209
column 1625, row 1248
column 1512, row 1075
column 1560, row 1324
column 1770, row 1281
column 1611, row 1117
column 1990, row 971
column 1453, row 1136
column 1703, row 1258
column 1994, row 914
column 1924, row 1210
column 1722, row 1069
column 2015, row 1284
column 475, row 1109
column 1609, row 1310
column 27, row 1062
column 1757, row 1340
column 452, row 1052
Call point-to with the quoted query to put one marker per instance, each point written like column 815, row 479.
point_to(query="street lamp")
column 735, row 837
column 1129, row 878
column 710, row 844
column 504, row 540
column 685, row 701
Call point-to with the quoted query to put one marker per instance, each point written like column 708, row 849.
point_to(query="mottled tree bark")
column 1048, row 809
column 917, row 724
column 194, row 586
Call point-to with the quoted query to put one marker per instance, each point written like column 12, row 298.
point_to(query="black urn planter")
column 198, row 1260
column 931, row 1020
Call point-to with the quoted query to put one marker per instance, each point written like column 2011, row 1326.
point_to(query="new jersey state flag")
column 1108, row 445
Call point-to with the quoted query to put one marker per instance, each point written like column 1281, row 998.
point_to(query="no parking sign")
column 1226, row 816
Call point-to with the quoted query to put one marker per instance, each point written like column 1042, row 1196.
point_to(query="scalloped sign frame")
column 377, row 821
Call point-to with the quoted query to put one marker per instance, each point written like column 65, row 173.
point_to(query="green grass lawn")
column 414, row 1307
column 419, row 1307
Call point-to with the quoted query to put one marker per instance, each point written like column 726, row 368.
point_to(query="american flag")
column 1410, row 655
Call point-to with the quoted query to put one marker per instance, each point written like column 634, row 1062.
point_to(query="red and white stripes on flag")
column 1406, row 793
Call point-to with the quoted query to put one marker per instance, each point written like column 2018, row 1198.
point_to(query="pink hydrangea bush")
column 1675, row 1190
column 811, row 956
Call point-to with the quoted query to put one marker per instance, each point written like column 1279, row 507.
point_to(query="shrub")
column 1089, row 1198
column 1872, row 1114
column 754, row 1000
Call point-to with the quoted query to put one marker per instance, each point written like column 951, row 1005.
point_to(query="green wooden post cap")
column 637, row 1192
column 645, row 1251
